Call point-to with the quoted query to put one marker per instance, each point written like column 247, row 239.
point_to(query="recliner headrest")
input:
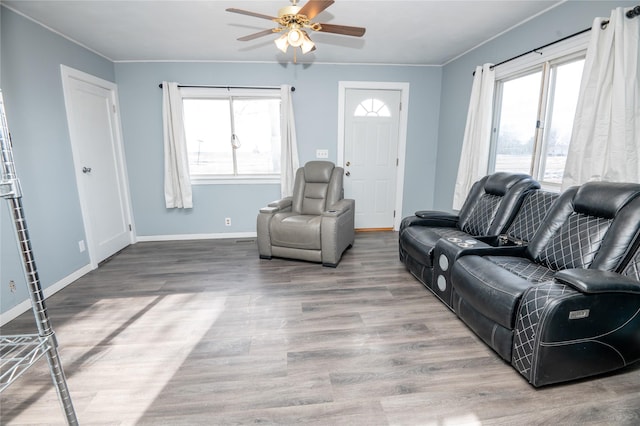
column 500, row 182
column 318, row 171
column 604, row 199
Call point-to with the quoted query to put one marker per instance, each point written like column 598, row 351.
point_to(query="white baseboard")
column 25, row 305
column 180, row 237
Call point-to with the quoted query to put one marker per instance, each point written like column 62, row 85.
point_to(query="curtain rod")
column 293, row 89
column 630, row 14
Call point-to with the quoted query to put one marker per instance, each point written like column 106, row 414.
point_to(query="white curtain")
column 474, row 158
column 605, row 143
column 289, row 162
column 177, row 183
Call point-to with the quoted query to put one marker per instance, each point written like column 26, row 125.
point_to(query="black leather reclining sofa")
column 488, row 210
column 554, row 289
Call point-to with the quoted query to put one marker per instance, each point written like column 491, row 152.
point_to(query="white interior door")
column 99, row 162
column 371, row 135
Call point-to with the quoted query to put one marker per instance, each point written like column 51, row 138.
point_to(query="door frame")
column 68, row 74
column 403, row 88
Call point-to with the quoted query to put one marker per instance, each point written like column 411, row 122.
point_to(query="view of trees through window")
column 533, row 120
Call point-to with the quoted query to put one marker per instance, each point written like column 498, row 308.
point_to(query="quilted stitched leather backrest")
column 589, row 227
column 493, row 201
column 576, row 243
column 318, row 184
column 633, row 267
column 531, row 214
column 482, row 215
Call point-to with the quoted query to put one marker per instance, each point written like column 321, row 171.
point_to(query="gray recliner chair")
column 315, row 224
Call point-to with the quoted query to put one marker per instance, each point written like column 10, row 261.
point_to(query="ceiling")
column 411, row 32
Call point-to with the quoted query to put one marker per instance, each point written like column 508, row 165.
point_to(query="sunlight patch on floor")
column 132, row 359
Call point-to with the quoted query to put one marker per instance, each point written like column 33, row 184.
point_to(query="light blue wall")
column 34, row 103
column 566, row 19
column 315, row 103
column 30, row 79
column 31, row 58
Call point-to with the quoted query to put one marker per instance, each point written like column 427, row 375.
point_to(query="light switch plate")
column 322, row 153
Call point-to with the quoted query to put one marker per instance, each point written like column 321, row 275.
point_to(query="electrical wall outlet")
column 81, row 246
column 12, row 286
column 227, row 221
column 322, row 153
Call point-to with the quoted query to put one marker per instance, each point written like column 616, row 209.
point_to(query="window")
column 372, row 108
column 533, row 119
column 232, row 133
column 534, row 108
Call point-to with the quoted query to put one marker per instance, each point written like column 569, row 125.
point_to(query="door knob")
column 86, row 170
column 348, row 173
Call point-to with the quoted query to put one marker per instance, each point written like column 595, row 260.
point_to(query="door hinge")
column 130, row 228
column 400, row 106
column 397, row 162
column 114, row 108
column 394, row 214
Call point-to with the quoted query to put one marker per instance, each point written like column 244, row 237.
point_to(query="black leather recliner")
column 584, row 322
column 488, row 211
column 528, row 219
column 579, row 323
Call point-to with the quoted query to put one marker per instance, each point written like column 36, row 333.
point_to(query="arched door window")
column 372, row 108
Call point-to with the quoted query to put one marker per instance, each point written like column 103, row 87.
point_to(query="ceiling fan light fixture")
column 282, row 43
column 307, row 45
column 293, row 20
column 295, row 37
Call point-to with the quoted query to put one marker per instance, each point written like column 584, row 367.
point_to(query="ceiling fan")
column 293, row 21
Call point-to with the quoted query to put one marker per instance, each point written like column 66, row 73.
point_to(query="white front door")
column 371, row 135
column 98, row 159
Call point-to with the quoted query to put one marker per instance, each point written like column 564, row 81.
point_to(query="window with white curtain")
column 232, row 134
column 533, row 119
column 534, row 109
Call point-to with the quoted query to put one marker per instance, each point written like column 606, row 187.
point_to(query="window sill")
column 236, row 180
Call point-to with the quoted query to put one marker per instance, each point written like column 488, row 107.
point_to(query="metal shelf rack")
column 18, row 353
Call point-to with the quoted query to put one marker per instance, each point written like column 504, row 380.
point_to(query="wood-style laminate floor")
column 205, row 333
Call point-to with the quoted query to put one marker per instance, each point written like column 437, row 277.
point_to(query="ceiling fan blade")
column 257, row 35
column 254, row 14
column 314, row 7
column 343, row 29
